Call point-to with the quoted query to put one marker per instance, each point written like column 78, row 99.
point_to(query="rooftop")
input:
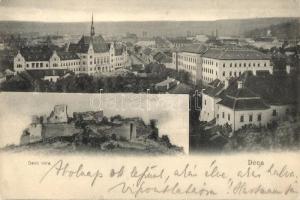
column 195, row 48
column 257, row 92
column 235, row 54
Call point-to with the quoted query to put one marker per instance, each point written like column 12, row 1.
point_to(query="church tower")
column 92, row 27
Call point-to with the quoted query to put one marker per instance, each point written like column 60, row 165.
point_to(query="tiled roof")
column 38, row 53
column 258, row 92
column 214, row 88
column 99, row 45
column 275, row 90
column 243, row 104
column 162, row 58
column 67, row 55
column 235, row 54
column 44, row 53
column 195, row 48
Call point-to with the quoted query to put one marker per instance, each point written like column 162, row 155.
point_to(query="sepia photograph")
column 169, row 93
column 137, row 124
column 241, row 74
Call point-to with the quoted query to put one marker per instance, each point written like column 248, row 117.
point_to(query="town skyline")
column 115, row 11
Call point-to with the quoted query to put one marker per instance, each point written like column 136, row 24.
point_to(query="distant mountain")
column 284, row 30
column 233, row 27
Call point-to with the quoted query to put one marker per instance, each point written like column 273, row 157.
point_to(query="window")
column 250, row 118
column 249, row 65
column 234, row 64
column 27, row 65
column 259, row 117
column 265, row 64
column 230, row 73
column 242, row 118
column 91, row 56
column 223, row 115
column 223, row 64
column 32, row 65
column 217, row 116
column 205, row 102
column 223, row 73
column 228, row 117
column 274, row 113
column 240, row 64
column 230, row 65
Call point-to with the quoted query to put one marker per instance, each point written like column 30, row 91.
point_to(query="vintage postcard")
column 150, row 99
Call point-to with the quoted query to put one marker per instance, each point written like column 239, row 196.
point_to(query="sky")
column 144, row 10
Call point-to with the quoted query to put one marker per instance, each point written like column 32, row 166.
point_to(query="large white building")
column 247, row 100
column 91, row 55
column 225, row 63
column 207, row 64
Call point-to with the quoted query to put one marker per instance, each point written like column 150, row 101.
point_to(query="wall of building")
column 190, row 62
column 56, row 130
column 19, row 63
column 209, row 108
column 266, row 116
column 222, row 69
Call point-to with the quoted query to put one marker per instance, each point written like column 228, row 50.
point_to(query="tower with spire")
column 92, row 27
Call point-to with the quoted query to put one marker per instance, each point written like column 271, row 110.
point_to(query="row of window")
column 208, row 70
column 242, row 118
column 235, row 74
column 189, row 59
column 37, row 65
column 101, row 61
column 69, row 63
column 210, row 62
column 207, row 79
column 188, row 67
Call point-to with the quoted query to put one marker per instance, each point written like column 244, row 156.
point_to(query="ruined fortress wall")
column 55, row 130
column 124, row 131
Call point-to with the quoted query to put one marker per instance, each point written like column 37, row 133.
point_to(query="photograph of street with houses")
column 237, row 62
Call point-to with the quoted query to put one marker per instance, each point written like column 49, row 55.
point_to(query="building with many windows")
column 226, row 63
column 91, row 55
column 207, row 64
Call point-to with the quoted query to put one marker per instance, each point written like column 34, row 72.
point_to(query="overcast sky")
column 144, row 10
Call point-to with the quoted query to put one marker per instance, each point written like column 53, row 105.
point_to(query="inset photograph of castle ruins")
column 94, row 123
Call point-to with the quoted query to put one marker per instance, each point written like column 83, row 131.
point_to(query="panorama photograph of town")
column 238, row 63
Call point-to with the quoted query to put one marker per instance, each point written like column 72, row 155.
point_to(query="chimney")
column 240, row 84
column 226, row 83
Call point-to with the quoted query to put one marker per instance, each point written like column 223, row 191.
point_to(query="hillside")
column 153, row 28
column 284, row 30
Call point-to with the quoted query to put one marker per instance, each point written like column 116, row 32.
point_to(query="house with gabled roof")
column 249, row 99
